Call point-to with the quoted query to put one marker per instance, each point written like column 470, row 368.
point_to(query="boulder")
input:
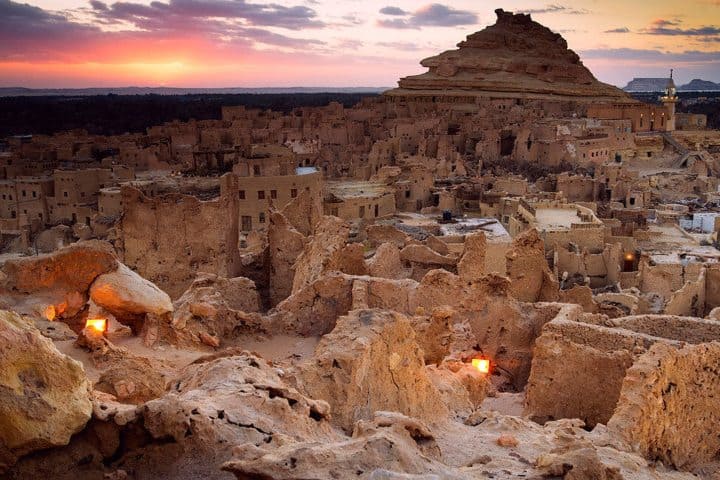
column 71, row 269
column 122, row 292
column 44, row 395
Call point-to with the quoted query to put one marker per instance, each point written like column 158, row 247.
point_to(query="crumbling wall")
column 169, row 238
column 577, row 371
column 669, row 408
column 689, row 300
column 580, row 360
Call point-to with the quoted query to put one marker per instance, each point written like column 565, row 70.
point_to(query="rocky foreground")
column 362, row 368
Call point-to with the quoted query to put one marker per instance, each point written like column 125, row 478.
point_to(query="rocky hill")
column 515, row 57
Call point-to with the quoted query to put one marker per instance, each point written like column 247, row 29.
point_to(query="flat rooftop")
column 548, row 218
column 357, row 189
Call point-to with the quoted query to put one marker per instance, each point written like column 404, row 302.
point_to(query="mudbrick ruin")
column 502, row 268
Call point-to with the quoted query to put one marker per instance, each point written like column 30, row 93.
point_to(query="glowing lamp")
column 482, row 364
column 49, row 312
column 97, row 325
column 629, row 256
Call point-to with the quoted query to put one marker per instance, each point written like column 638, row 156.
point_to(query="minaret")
column 669, row 100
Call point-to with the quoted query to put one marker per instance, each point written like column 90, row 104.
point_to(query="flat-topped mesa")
column 515, row 58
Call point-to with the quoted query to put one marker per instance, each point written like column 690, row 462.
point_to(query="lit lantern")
column 629, row 256
column 482, row 364
column 97, row 325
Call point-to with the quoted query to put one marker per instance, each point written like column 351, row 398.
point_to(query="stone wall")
column 669, row 408
column 580, row 360
column 169, row 238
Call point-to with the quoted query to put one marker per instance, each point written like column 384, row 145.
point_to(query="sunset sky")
column 248, row 43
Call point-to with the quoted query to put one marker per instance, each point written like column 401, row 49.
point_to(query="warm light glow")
column 482, row 364
column 629, row 257
column 49, row 312
column 96, row 324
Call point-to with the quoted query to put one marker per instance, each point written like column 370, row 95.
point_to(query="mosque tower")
column 669, row 100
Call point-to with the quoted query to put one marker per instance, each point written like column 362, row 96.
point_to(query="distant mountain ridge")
column 42, row 92
column 659, row 84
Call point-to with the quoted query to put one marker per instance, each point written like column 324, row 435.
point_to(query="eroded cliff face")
column 515, row 57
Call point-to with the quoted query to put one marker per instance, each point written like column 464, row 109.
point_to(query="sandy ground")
column 505, row 404
column 278, row 349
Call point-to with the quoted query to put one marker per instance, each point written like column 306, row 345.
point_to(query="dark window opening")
column 507, row 143
column 261, row 194
column 241, row 194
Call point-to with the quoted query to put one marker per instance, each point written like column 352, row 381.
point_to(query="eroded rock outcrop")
column 389, row 446
column 212, row 309
column 371, row 362
column 319, row 254
column 220, row 402
column 44, row 395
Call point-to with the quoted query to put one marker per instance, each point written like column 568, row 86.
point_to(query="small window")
column 261, row 194
column 273, row 193
column 407, row 193
column 241, row 194
column 65, row 194
column 34, row 194
column 649, row 154
column 261, row 217
column 256, row 170
column 24, row 194
column 82, row 194
column 293, row 192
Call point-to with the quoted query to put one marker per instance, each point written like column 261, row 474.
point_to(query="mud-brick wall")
column 169, row 238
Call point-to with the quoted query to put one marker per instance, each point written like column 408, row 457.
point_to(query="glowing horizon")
column 311, row 43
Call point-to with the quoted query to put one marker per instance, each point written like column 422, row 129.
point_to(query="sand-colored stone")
column 371, row 362
column 44, row 395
